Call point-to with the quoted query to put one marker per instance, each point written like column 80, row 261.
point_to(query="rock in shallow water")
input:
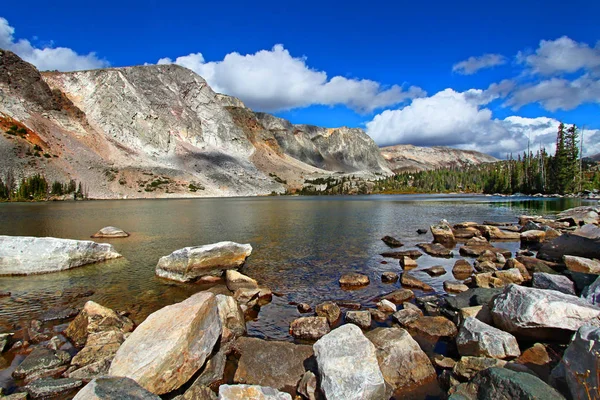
column 24, row 255
column 354, row 280
column 191, row 263
column 112, row 388
column 361, row 319
column 171, row 345
column 110, row 232
column 348, row 365
column 309, row 328
column 329, row 310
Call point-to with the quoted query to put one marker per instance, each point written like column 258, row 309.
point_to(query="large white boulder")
column 191, row 263
column 476, row 338
column 348, row 365
column 171, row 345
column 541, row 313
column 27, row 255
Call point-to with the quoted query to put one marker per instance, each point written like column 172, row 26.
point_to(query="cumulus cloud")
column 47, row 58
column 272, row 80
column 473, row 64
column 562, row 55
column 459, row 119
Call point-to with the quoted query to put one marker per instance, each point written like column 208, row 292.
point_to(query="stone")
column 443, row 362
column 304, row 308
column 354, row 280
column 514, row 263
column 408, row 263
column 4, row 338
column 485, row 266
column 414, row 254
column 112, row 388
column 436, row 250
column 591, row 293
column 532, row 237
column 481, row 312
column 569, row 244
column 251, row 392
column 360, row 318
column 309, row 328
column 468, row 366
column 442, row 233
column 530, row 226
column 540, row 313
column 389, row 277
column 455, row 287
column 348, row 366
column 308, row 387
column 24, row 255
column 399, row 296
column 421, row 231
column 433, row 327
column 95, row 318
column 110, row 232
column 476, row 338
column 477, row 250
column 59, row 314
column 48, row 387
column 235, row 280
column 512, row 275
column 352, row 305
column 95, row 358
column 437, row 270
column 391, row 241
column 537, row 359
column 40, row 363
column 488, row 280
column 493, row 234
column 386, row 306
column 279, row 365
column 16, row 396
column 502, row 383
column 401, row 360
column 191, row 263
column 377, row 315
column 580, row 216
column 579, row 366
column 536, row 265
column 472, row 297
column 329, row 310
column 589, row 231
column 171, row 345
column 581, row 264
column 231, row 315
column 406, row 316
column 559, row 283
column 462, row 269
column 410, row 281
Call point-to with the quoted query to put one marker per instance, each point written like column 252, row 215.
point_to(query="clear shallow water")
column 302, row 245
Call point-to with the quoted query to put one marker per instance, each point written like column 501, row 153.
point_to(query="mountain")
column 411, row 158
column 161, row 131
column 595, row 157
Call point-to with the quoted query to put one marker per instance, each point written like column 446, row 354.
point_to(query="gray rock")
column 569, row 244
column 232, row 317
column 254, row 392
column 190, row 263
column 110, row 232
column 360, row 318
column 540, row 313
column 401, row 360
column 309, row 328
column 112, row 388
column 589, row 231
column 406, row 316
column 24, row 255
column 436, row 250
column 476, row 338
column 41, row 363
column 579, row 215
column 348, row 366
column 559, row 283
column 171, row 345
column 472, row 297
column 47, row 387
column 592, row 293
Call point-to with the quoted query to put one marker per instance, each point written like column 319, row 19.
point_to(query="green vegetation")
column 277, row 179
column 35, row 188
column 16, row 131
column 194, row 187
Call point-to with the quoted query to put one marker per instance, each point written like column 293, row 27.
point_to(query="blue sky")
column 392, row 68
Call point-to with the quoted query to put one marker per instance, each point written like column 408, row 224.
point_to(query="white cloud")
column 562, row 55
column 271, row 80
column 457, row 119
column 473, row 64
column 47, row 58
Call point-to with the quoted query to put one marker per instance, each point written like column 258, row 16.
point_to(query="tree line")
column 36, row 187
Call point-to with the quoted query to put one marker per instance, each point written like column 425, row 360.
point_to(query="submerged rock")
column 309, row 328
column 191, row 263
column 436, row 250
column 171, row 345
column 476, row 338
column 24, row 255
column 410, row 281
column 348, row 366
column 389, row 277
column 435, row 271
column 110, row 232
column 392, row 241
column 254, row 392
column 112, row 388
column 414, row 254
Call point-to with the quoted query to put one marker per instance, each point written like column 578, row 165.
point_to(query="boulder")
column 467, row 367
column 401, row 360
column 581, row 264
column 580, row 216
column 110, row 232
column 476, row 338
column 24, row 255
column 592, row 292
column 512, row 275
column 488, row 280
column 436, row 250
column 309, row 328
column 537, row 359
column 408, row 263
column 171, row 345
column 437, row 270
column 251, row 392
column 559, row 283
column 248, row 298
column 191, row 263
column 348, row 366
column 414, row 254
column 279, row 365
column 482, row 313
column 502, row 383
column 354, row 280
column 533, row 265
column 409, row 281
column 361, row 319
column 399, row 296
column 589, row 231
column 432, row 327
column 42, row 362
column 442, row 233
column 391, row 241
column 455, row 287
column 541, row 314
column 232, row 317
column 462, row 269
column 579, row 366
column 532, row 237
column 478, row 249
column 377, row 315
column 569, row 244
column 472, row 297
column 95, row 358
column 389, row 277
column 407, row 315
column 386, row 306
column 95, row 318
column 485, row 266
column 235, row 280
column 48, row 387
column 111, row 388
column 329, row 310
column 514, row 263
column 493, row 234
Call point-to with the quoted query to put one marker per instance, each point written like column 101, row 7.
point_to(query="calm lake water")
column 302, row 245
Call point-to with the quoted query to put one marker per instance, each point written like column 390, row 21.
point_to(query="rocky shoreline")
column 523, row 325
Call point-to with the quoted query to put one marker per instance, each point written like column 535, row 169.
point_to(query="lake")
column 302, row 245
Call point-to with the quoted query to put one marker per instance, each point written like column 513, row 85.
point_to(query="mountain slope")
column 412, row 158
